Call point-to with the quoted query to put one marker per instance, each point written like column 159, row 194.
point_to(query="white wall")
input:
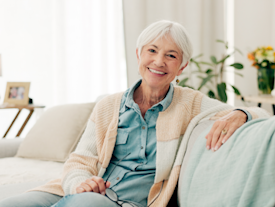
column 254, row 27
column 203, row 20
column 32, row 36
column 26, row 46
column 71, row 51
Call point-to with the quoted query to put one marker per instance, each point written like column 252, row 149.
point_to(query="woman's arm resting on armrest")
column 223, row 128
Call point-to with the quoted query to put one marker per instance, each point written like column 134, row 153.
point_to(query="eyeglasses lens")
column 127, row 205
column 111, row 194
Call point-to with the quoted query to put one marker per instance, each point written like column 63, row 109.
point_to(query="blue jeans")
column 42, row 199
column 31, row 199
column 88, row 199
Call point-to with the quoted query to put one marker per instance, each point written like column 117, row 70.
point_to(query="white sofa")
column 39, row 157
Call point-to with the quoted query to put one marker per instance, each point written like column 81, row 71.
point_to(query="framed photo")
column 17, row 93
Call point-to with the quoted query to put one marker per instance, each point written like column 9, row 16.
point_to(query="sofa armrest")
column 9, row 147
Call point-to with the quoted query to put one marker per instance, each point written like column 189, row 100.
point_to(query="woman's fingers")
column 224, row 128
column 80, row 190
column 83, row 187
column 87, row 187
column 94, row 184
column 216, row 140
column 214, row 135
column 100, row 184
column 224, row 137
column 107, row 184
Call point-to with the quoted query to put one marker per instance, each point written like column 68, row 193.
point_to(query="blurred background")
column 72, row 51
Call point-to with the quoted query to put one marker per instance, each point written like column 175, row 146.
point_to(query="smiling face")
column 159, row 63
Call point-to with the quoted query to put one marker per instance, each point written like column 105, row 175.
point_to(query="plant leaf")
column 205, row 80
column 222, row 60
column 225, row 43
column 209, row 71
column 206, row 63
column 237, row 65
column 214, row 59
column 220, row 41
column 221, row 92
column 182, row 82
column 188, row 86
column 198, row 72
column 238, row 50
column 239, row 74
column 197, row 64
column 211, row 94
column 236, row 91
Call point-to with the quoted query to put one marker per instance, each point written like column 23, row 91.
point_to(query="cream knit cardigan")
column 173, row 128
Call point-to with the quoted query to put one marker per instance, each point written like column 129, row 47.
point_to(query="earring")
column 177, row 81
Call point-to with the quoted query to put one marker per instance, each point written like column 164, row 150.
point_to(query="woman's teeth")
column 155, row 71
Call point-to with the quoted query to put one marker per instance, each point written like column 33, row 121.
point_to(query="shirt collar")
column 162, row 105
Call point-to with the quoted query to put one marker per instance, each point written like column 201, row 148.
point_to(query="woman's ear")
column 137, row 55
column 180, row 70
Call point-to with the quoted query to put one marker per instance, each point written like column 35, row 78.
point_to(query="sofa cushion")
column 56, row 134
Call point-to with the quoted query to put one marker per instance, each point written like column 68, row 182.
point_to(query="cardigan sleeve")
column 87, row 159
column 82, row 163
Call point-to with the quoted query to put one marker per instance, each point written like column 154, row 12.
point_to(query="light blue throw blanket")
column 241, row 173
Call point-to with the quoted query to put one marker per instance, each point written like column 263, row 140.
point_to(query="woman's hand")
column 223, row 128
column 94, row 184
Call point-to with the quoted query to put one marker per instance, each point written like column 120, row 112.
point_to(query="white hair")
column 160, row 29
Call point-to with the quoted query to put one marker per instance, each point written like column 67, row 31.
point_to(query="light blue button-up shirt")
column 134, row 176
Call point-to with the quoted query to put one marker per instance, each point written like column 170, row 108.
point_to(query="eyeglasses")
column 113, row 196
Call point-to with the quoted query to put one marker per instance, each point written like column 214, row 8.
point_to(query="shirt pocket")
column 121, row 144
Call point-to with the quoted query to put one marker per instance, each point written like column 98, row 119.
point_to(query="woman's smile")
column 159, row 63
column 156, row 71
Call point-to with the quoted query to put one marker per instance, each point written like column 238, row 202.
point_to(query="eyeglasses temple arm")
column 116, row 165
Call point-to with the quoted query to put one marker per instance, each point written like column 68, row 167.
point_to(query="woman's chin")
column 156, row 84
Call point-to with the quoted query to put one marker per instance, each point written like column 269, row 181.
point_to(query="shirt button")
column 117, row 178
column 141, row 147
column 143, row 127
column 153, row 110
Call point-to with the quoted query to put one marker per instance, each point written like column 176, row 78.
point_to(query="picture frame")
column 17, row 93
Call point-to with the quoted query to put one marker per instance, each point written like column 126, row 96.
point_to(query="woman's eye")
column 152, row 50
column 172, row 56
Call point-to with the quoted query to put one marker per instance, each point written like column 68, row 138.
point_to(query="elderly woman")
column 126, row 156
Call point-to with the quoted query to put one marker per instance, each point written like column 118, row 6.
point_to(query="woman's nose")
column 159, row 60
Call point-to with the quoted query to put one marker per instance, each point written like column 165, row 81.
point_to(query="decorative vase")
column 265, row 80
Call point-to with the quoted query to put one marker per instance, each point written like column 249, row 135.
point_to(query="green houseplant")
column 211, row 75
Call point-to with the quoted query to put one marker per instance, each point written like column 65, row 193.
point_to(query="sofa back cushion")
column 56, row 133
